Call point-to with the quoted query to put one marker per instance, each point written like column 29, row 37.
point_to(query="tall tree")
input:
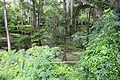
column 39, row 18
column 34, row 15
column 65, row 20
column 6, row 27
column 65, row 33
column 118, row 6
column 22, row 13
column 88, row 24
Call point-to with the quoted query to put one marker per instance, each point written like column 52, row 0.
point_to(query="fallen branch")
column 65, row 62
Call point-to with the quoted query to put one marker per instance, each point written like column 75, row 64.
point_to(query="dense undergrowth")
column 100, row 60
column 34, row 64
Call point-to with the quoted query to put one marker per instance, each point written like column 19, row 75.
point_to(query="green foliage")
column 23, row 41
column 33, row 64
column 42, row 34
column 54, row 20
column 101, row 60
column 1, row 18
column 103, row 4
column 79, row 37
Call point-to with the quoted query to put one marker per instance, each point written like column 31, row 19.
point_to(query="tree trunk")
column 71, row 8
column 39, row 14
column 94, row 14
column 6, row 27
column 72, row 27
column 118, row 6
column 65, row 30
column 22, row 14
column 65, row 21
column 88, row 25
column 34, row 16
column 39, row 19
column 44, row 2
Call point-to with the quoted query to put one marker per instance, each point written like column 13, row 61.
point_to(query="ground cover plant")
column 33, row 64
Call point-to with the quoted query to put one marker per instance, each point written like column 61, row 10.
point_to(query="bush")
column 33, row 64
column 101, row 60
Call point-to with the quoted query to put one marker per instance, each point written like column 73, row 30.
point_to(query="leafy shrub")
column 101, row 60
column 33, row 64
